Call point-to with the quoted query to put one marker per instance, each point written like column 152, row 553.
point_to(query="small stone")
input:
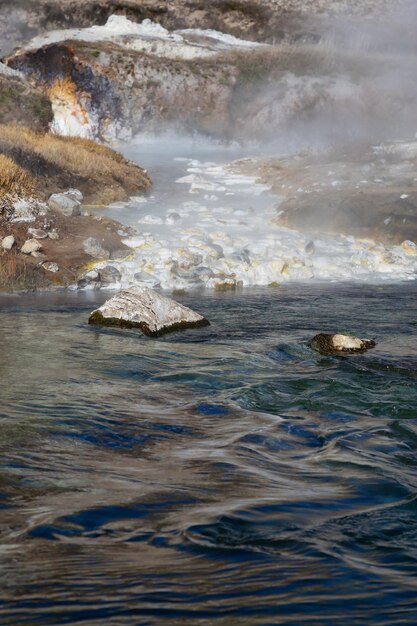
column 38, row 255
column 90, row 278
column 141, row 307
column 338, row 343
column 121, row 253
column 409, row 247
column 64, row 204
column 49, row 266
column 94, row 248
column 8, row 242
column 31, row 245
column 109, row 275
column 53, row 234
column 38, row 233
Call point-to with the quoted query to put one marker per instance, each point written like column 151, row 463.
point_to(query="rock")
column 331, row 344
column 8, row 242
column 50, row 267
column 121, row 253
column 74, row 194
column 94, row 248
column 90, row 278
column 109, row 275
column 38, row 233
column 65, row 204
column 141, row 307
column 38, row 255
column 53, row 234
column 30, row 246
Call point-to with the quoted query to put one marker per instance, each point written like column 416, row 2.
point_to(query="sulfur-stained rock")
column 340, row 344
column 141, row 307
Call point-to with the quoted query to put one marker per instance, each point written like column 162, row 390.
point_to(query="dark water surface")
column 226, row 475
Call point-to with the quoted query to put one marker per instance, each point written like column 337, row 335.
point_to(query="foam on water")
column 219, row 232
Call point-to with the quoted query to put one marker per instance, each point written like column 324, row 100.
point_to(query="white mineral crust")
column 144, row 308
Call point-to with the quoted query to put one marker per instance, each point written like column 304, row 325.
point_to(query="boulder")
column 94, row 248
column 66, row 204
column 141, row 307
column 109, row 275
column 8, row 242
column 340, row 344
column 30, row 246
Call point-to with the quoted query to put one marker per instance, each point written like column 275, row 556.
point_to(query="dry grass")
column 14, row 180
column 13, row 272
column 54, row 163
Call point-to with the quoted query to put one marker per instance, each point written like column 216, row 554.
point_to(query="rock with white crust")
column 141, row 307
column 340, row 344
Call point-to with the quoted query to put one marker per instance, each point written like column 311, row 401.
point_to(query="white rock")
column 8, row 242
column 50, row 267
column 94, row 248
column 65, row 204
column 31, row 245
column 38, row 233
column 143, row 308
column 328, row 343
column 53, row 234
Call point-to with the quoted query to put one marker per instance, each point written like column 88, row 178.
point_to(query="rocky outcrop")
column 121, row 78
column 141, row 307
column 21, row 102
column 340, row 344
column 254, row 19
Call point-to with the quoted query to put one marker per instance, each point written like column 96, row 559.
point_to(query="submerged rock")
column 330, row 344
column 141, row 307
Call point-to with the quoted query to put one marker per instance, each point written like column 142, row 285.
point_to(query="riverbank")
column 36, row 165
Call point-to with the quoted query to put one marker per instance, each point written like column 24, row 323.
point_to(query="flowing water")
column 224, row 475
column 207, row 225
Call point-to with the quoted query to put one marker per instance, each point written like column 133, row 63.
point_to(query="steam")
column 356, row 86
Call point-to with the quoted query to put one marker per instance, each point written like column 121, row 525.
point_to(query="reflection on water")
column 222, row 475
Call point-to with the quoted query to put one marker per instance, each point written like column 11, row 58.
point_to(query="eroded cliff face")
column 260, row 20
column 123, row 78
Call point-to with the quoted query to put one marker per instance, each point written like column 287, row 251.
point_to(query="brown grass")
column 14, row 180
column 54, row 163
column 13, row 272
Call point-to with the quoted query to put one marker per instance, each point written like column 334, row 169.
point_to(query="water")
column 224, row 475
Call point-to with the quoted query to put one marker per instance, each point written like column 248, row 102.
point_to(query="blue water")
column 224, row 475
